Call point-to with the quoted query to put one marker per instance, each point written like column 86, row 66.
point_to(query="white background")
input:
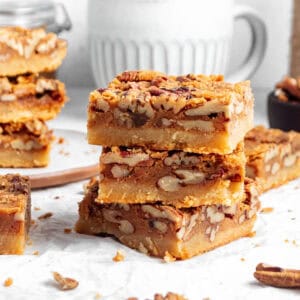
column 277, row 14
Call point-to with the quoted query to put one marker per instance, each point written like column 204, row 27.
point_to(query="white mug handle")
column 259, row 42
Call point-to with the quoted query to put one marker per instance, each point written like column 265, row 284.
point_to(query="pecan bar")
column 14, row 213
column 25, row 145
column 194, row 113
column 23, row 98
column 136, row 175
column 161, row 230
column 273, row 156
column 29, row 51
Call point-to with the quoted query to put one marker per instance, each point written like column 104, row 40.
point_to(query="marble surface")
column 225, row 273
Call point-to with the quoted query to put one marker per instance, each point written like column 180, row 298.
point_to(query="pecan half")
column 277, row 277
column 65, row 283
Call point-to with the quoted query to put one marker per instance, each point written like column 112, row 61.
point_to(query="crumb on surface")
column 29, row 242
column 98, row 296
column 56, row 197
column 168, row 257
column 286, row 241
column 119, row 256
column 60, row 140
column 36, row 252
column 63, row 152
column 45, row 216
column 65, row 283
column 243, row 259
column 169, row 296
column 37, row 208
column 267, row 210
column 67, row 230
column 32, row 222
column 8, row 282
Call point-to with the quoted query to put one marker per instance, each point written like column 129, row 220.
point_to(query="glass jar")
column 35, row 13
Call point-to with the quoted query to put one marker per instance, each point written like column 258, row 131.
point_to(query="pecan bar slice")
column 14, row 213
column 194, row 113
column 23, row 98
column 137, row 175
column 273, row 156
column 161, row 230
column 25, row 145
column 29, row 51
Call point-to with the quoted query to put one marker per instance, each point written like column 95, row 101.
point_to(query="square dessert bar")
column 29, row 51
column 181, row 179
column 273, row 156
column 14, row 213
column 194, row 113
column 23, row 98
column 25, row 145
column 161, row 230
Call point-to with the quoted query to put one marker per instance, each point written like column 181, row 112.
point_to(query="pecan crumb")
column 45, row 216
column 169, row 296
column 37, row 208
column 65, row 283
column 266, row 210
column 32, row 222
column 67, row 230
column 243, row 259
column 36, row 253
column 277, row 277
column 119, row 256
column 8, row 282
column 60, row 140
column 168, row 257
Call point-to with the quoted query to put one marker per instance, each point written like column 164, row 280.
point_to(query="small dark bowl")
column 283, row 115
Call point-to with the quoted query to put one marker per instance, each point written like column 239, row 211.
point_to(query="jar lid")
column 29, row 13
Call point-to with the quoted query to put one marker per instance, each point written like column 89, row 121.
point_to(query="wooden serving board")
column 63, row 177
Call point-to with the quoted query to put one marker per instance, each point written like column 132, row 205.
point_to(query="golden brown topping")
column 277, row 277
column 26, row 41
column 65, row 283
column 135, row 96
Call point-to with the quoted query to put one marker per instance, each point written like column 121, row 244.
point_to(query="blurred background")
column 76, row 70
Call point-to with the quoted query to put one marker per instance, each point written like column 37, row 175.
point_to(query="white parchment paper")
column 225, row 273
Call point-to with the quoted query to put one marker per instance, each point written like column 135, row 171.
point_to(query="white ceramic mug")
column 171, row 36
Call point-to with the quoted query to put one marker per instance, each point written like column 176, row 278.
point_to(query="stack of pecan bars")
column 28, row 99
column 172, row 172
